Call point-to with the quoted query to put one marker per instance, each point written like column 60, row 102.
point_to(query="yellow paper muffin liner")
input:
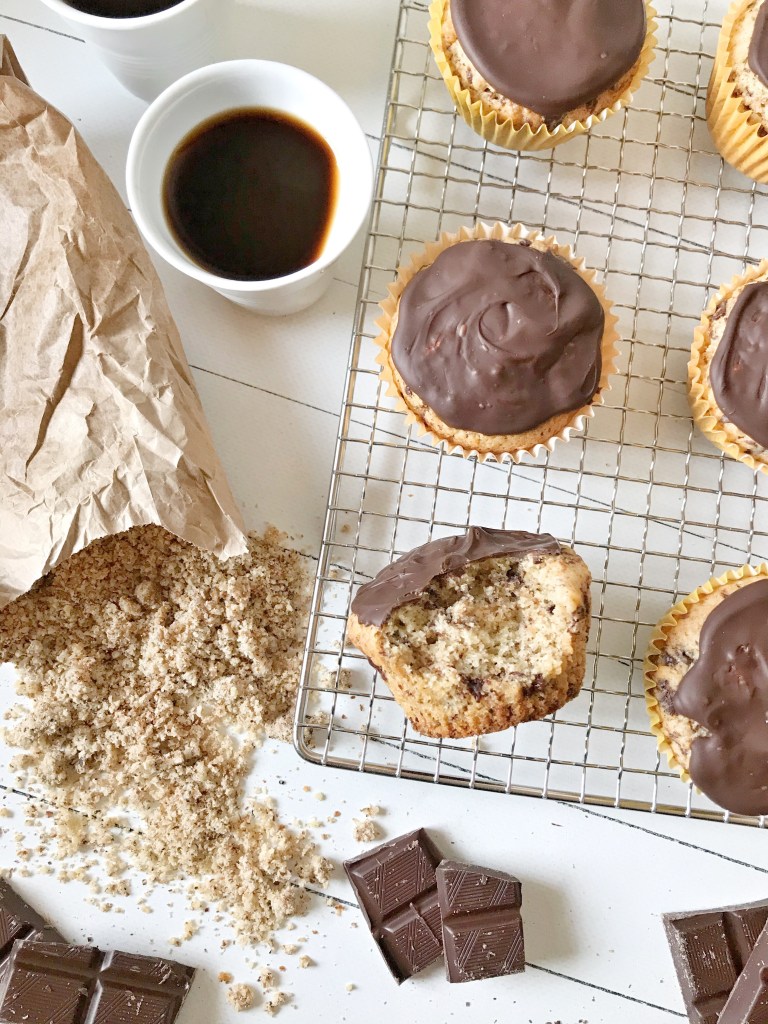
column 706, row 415
column 733, row 126
column 488, row 123
column 659, row 640
column 503, row 232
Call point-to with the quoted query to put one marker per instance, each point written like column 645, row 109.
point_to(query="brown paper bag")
column 101, row 427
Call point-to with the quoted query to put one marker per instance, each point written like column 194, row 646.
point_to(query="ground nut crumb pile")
column 152, row 671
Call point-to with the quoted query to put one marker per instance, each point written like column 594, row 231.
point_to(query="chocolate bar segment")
column 47, row 982
column 710, row 950
column 748, row 1001
column 482, row 926
column 397, row 890
column 20, row 921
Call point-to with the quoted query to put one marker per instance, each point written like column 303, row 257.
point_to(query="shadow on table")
column 549, row 934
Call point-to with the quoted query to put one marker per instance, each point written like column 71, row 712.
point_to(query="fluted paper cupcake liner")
column 708, row 418
column 735, row 129
column 659, row 640
column 488, row 123
column 388, row 322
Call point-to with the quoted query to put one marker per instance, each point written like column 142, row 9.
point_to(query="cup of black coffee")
column 252, row 177
column 147, row 44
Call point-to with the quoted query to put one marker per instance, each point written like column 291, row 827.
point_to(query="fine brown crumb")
column 275, row 1001
column 365, row 831
column 267, row 978
column 242, row 997
column 225, row 977
column 153, row 670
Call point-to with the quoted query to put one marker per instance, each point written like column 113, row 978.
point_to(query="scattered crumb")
column 350, row 987
column 319, row 796
column 5, row 812
column 267, row 978
column 305, row 961
column 119, row 650
column 290, row 948
column 371, row 811
column 121, row 888
column 242, row 997
column 275, row 1001
column 365, row 831
column 225, row 977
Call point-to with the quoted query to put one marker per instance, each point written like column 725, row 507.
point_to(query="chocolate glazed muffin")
column 737, row 97
column 498, row 345
column 542, row 68
column 478, row 632
column 707, row 689
column 729, row 368
column 545, row 61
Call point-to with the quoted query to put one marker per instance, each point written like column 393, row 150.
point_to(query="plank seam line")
column 42, row 28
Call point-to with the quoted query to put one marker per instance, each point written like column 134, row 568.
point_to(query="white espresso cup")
column 259, row 84
column 147, row 53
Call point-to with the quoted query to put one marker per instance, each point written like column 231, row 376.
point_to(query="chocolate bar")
column 482, row 926
column 397, row 890
column 20, row 921
column 748, row 1001
column 710, row 950
column 46, row 982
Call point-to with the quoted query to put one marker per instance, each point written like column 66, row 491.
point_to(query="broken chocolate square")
column 710, row 950
column 397, row 890
column 482, row 926
column 748, row 1001
column 48, row 982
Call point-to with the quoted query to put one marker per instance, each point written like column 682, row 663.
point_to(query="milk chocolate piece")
column 709, row 950
column 20, row 921
column 407, row 577
column 726, row 691
column 748, row 1001
column 397, row 890
column 498, row 337
column 551, row 55
column 482, row 927
column 54, row 982
column 740, row 363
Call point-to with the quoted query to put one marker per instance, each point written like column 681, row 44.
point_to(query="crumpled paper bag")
column 101, row 427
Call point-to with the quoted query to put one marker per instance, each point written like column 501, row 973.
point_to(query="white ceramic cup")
column 147, row 53
column 235, row 85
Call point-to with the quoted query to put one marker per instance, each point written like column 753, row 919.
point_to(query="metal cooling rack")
column 646, row 501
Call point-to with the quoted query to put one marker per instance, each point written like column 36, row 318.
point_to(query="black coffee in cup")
column 122, row 8
column 250, row 194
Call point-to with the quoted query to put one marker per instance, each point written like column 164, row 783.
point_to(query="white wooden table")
column 595, row 881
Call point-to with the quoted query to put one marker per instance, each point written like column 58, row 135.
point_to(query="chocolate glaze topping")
column 497, row 338
column 758, row 48
column 739, row 370
column 407, row 578
column 551, row 55
column 726, row 691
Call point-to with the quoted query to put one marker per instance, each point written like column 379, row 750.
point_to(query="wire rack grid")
column 647, row 502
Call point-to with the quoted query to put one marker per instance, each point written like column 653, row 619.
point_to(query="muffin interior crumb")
column 488, row 625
